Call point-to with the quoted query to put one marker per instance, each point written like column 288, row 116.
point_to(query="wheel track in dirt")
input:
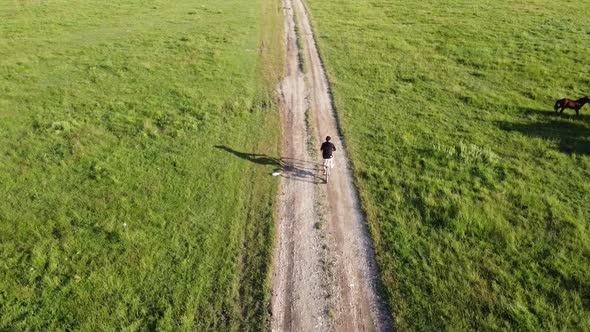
column 324, row 273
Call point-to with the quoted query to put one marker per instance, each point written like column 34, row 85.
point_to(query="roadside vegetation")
column 476, row 193
column 118, row 211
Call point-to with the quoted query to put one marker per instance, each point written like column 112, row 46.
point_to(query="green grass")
column 477, row 195
column 117, row 210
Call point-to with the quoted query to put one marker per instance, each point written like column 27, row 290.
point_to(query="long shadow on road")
column 291, row 168
column 260, row 159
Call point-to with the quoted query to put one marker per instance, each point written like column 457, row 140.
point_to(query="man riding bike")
column 327, row 149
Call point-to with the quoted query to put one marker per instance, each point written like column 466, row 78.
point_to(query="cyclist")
column 327, row 149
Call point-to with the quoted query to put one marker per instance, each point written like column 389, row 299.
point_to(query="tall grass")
column 117, row 210
column 475, row 192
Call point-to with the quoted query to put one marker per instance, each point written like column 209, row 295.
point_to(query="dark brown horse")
column 573, row 104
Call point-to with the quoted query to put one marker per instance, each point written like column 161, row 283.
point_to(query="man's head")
column 328, row 138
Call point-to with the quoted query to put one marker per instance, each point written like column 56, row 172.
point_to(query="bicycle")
column 327, row 148
column 327, row 167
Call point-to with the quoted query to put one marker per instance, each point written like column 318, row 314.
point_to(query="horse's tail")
column 557, row 105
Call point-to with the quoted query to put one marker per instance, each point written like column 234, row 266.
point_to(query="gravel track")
column 324, row 273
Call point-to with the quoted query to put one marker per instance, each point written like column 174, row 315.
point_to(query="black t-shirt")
column 327, row 149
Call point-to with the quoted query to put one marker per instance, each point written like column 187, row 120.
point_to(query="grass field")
column 475, row 192
column 118, row 211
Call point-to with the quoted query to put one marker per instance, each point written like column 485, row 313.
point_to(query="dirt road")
column 324, row 272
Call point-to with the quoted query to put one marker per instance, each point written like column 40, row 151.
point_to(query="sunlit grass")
column 475, row 192
column 117, row 211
